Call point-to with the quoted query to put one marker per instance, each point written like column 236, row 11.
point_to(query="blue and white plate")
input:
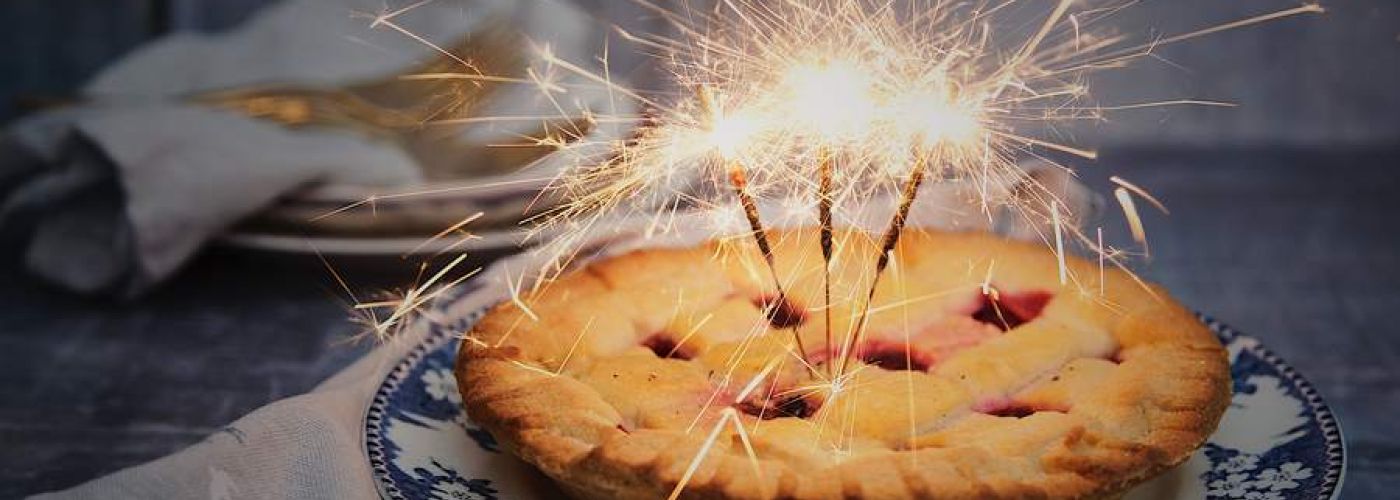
column 1278, row 440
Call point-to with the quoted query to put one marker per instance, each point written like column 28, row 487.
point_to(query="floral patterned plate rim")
column 1279, row 440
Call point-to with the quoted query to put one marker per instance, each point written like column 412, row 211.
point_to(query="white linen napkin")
column 114, row 195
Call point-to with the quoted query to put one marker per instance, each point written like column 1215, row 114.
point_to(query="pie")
column 977, row 373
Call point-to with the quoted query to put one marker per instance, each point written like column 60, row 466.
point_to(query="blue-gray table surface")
column 1300, row 248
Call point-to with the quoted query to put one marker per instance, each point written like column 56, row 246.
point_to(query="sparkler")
column 738, row 180
column 887, row 246
column 827, row 229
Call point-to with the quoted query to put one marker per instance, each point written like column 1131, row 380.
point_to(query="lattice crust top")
column 979, row 374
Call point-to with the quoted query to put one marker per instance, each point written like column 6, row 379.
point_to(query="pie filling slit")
column 1012, row 408
column 781, row 313
column 1006, row 310
column 792, row 405
column 895, row 357
column 665, row 346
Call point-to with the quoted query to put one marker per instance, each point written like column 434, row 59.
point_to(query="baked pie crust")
column 979, row 374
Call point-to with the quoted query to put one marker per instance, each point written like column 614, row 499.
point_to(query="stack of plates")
column 360, row 220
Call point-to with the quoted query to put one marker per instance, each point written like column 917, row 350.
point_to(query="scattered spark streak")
column 473, row 77
column 450, row 229
column 748, row 444
column 1087, row 154
column 514, row 287
column 987, row 280
column 727, row 416
column 1134, row 221
column 501, row 119
column 474, row 341
column 909, row 359
column 1177, row 102
column 1272, row 16
column 1141, row 192
column 372, row 199
column 426, row 292
column 408, row 305
column 390, row 14
column 1059, row 241
column 1099, row 247
column 367, row 317
column 533, row 368
column 549, row 57
column 377, row 305
column 386, row 19
column 724, row 416
column 1028, row 50
column 577, row 339
column 693, row 330
column 758, row 379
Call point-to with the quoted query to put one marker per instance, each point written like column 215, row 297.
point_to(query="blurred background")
column 1283, row 225
column 1299, row 82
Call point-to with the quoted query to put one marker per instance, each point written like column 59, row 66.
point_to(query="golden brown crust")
column 1093, row 394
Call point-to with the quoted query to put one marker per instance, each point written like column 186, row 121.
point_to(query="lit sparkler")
column 726, row 134
column 829, row 97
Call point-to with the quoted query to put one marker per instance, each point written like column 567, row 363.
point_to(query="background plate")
column 1278, row 440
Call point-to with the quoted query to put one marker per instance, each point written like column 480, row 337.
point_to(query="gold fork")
column 401, row 108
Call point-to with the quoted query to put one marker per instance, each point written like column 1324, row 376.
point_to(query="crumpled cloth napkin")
column 313, row 445
column 113, row 196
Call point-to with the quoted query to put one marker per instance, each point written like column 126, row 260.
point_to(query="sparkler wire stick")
column 824, row 218
column 891, row 238
column 739, row 182
column 1059, row 241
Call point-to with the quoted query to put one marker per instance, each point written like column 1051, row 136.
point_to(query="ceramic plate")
column 1278, row 440
column 501, row 240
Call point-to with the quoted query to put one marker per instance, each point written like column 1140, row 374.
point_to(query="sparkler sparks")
column 403, row 307
column 850, row 102
column 727, row 135
column 847, row 102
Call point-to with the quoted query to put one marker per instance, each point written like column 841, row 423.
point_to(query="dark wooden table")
column 1299, row 248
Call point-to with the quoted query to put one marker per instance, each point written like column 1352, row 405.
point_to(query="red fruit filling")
column 666, row 347
column 779, row 406
column 781, row 313
column 1010, row 310
column 895, row 357
column 1010, row 408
